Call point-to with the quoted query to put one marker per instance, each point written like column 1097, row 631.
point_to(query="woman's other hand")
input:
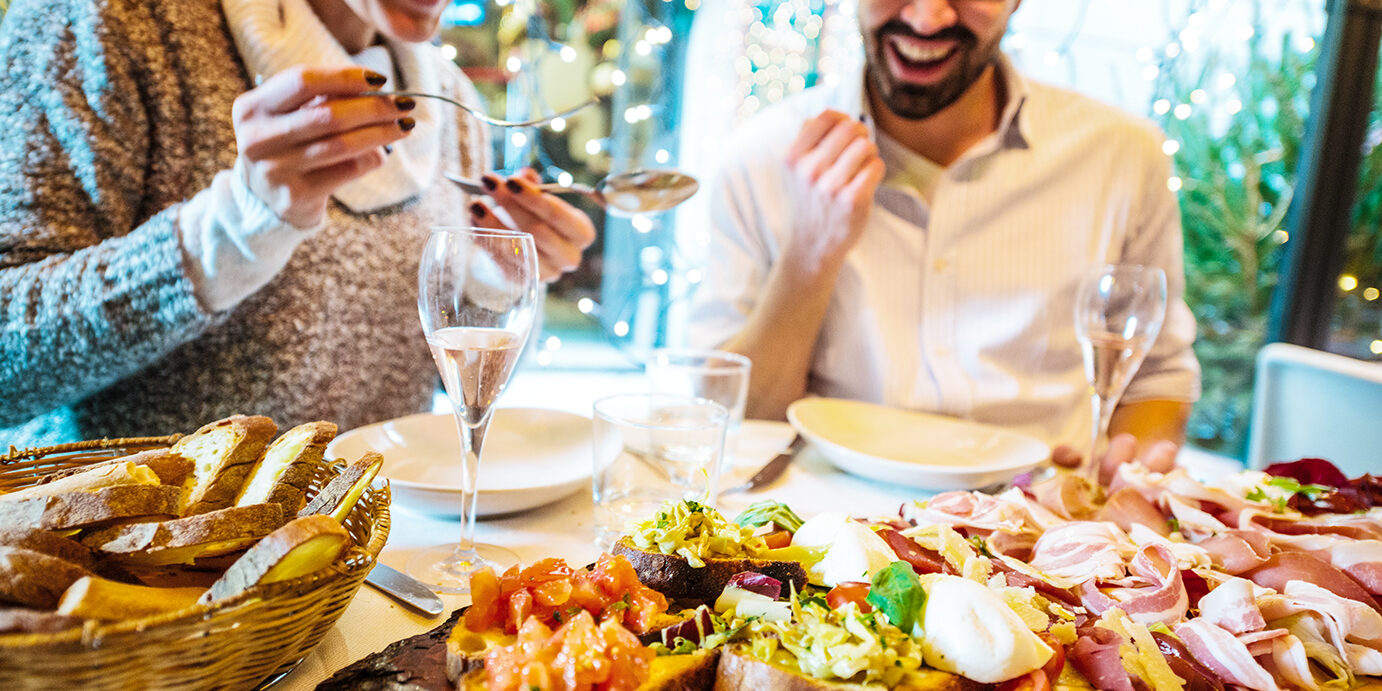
column 1122, row 448
column 560, row 230
column 306, row 131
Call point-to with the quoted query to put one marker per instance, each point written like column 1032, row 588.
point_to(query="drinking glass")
column 478, row 299
column 718, row 375
column 1118, row 313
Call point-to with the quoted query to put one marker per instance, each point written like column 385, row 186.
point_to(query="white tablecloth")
column 564, row 529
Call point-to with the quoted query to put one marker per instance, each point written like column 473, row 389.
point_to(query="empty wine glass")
column 478, row 299
column 1118, row 313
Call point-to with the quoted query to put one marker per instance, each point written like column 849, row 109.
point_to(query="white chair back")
column 1312, row 403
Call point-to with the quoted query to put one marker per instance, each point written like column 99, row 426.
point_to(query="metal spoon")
column 634, row 192
column 481, row 115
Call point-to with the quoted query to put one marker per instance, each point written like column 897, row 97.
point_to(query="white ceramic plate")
column 914, row 449
column 531, row 457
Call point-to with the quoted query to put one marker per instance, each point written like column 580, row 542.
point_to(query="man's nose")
column 928, row 16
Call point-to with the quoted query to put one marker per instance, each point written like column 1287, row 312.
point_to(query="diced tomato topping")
column 520, row 606
column 483, row 612
column 777, row 539
column 578, row 655
column 849, row 591
column 553, row 593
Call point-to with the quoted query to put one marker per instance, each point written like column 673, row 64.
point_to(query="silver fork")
column 479, row 114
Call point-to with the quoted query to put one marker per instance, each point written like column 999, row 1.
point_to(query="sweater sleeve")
column 92, row 286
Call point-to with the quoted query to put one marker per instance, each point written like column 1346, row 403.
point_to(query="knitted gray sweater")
column 112, row 113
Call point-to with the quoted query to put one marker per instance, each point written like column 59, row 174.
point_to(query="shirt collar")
column 1013, row 127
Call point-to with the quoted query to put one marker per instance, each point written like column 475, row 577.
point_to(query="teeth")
column 917, row 53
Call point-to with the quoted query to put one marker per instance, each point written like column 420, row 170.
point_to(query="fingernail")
column 477, row 209
column 387, row 149
column 490, row 182
column 374, row 78
column 513, row 186
column 407, row 124
column 404, row 103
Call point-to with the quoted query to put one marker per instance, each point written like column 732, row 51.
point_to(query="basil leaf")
column 769, row 511
column 896, row 592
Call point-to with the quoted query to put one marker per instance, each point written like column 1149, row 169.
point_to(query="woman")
column 203, row 211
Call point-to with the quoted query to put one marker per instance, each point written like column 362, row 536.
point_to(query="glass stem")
column 1103, row 414
column 472, row 440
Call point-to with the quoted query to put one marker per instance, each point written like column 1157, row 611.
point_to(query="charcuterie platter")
column 1256, row 581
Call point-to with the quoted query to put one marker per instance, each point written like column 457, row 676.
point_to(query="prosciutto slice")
column 1236, row 551
column 1164, row 600
column 1082, row 550
column 1284, row 567
column 1232, row 606
column 1224, row 655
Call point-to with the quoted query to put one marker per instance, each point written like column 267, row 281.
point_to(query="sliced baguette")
column 92, row 597
column 70, row 510
column 281, row 476
column 34, row 579
column 673, row 576
column 222, row 453
column 17, row 620
column 171, row 469
column 739, row 671
column 338, row 497
column 90, row 480
column 47, row 542
column 183, row 540
column 303, row 546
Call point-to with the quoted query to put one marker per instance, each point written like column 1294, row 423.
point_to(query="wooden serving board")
column 412, row 664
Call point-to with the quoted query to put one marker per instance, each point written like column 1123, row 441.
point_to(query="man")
column 915, row 237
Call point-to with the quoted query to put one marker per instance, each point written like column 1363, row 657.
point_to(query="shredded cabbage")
column 838, row 644
column 696, row 532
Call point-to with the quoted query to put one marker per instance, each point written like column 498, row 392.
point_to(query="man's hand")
column 306, row 131
column 560, row 230
column 836, row 169
column 1122, row 448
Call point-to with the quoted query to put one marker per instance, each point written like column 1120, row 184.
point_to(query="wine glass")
column 1118, row 313
column 478, row 299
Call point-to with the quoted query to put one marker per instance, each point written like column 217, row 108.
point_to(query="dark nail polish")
column 374, row 78
column 513, row 186
column 387, row 149
column 407, row 124
column 404, row 103
column 477, row 210
column 490, row 182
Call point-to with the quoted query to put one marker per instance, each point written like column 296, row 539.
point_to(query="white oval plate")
column 531, row 457
column 911, row 448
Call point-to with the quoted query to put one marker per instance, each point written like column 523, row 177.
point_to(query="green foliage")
column 1239, row 172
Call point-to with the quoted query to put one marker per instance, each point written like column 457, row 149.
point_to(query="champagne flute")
column 478, row 299
column 1118, row 313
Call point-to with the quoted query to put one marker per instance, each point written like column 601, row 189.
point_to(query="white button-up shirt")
column 964, row 305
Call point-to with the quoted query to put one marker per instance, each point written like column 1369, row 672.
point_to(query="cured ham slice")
column 1232, row 606
column 1164, row 600
column 1224, row 655
column 1082, row 550
column 1285, row 567
column 1236, row 551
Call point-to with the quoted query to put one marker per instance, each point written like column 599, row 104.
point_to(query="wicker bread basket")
column 233, row 644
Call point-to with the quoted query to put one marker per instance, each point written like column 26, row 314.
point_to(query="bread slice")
column 222, row 454
column 739, row 671
column 47, row 542
column 303, row 546
column 673, row 576
column 17, row 620
column 338, row 497
column 281, row 476
column 70, row 510
column 183, row 540
column 88, row 480
column 170, row 469
column 34, row 579
column 92, row 597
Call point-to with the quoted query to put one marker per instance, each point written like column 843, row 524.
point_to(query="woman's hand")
column 559, row 230
column 1122, row 448
column 306, row 131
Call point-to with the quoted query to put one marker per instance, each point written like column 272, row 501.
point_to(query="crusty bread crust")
column 674, row 577
column 170, row 469
column 34, row 621
column 305, row 545
column 282, row 474
column 223, row 453
column 347, row 486
column 34, row 579
column 181, row 540
column 104, row 506
column 739, row 671
column 48, row 543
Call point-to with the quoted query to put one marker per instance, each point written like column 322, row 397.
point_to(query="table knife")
column 773, row 468
column 404, row 588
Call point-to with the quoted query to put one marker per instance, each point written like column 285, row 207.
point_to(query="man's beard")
column 917, row 102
